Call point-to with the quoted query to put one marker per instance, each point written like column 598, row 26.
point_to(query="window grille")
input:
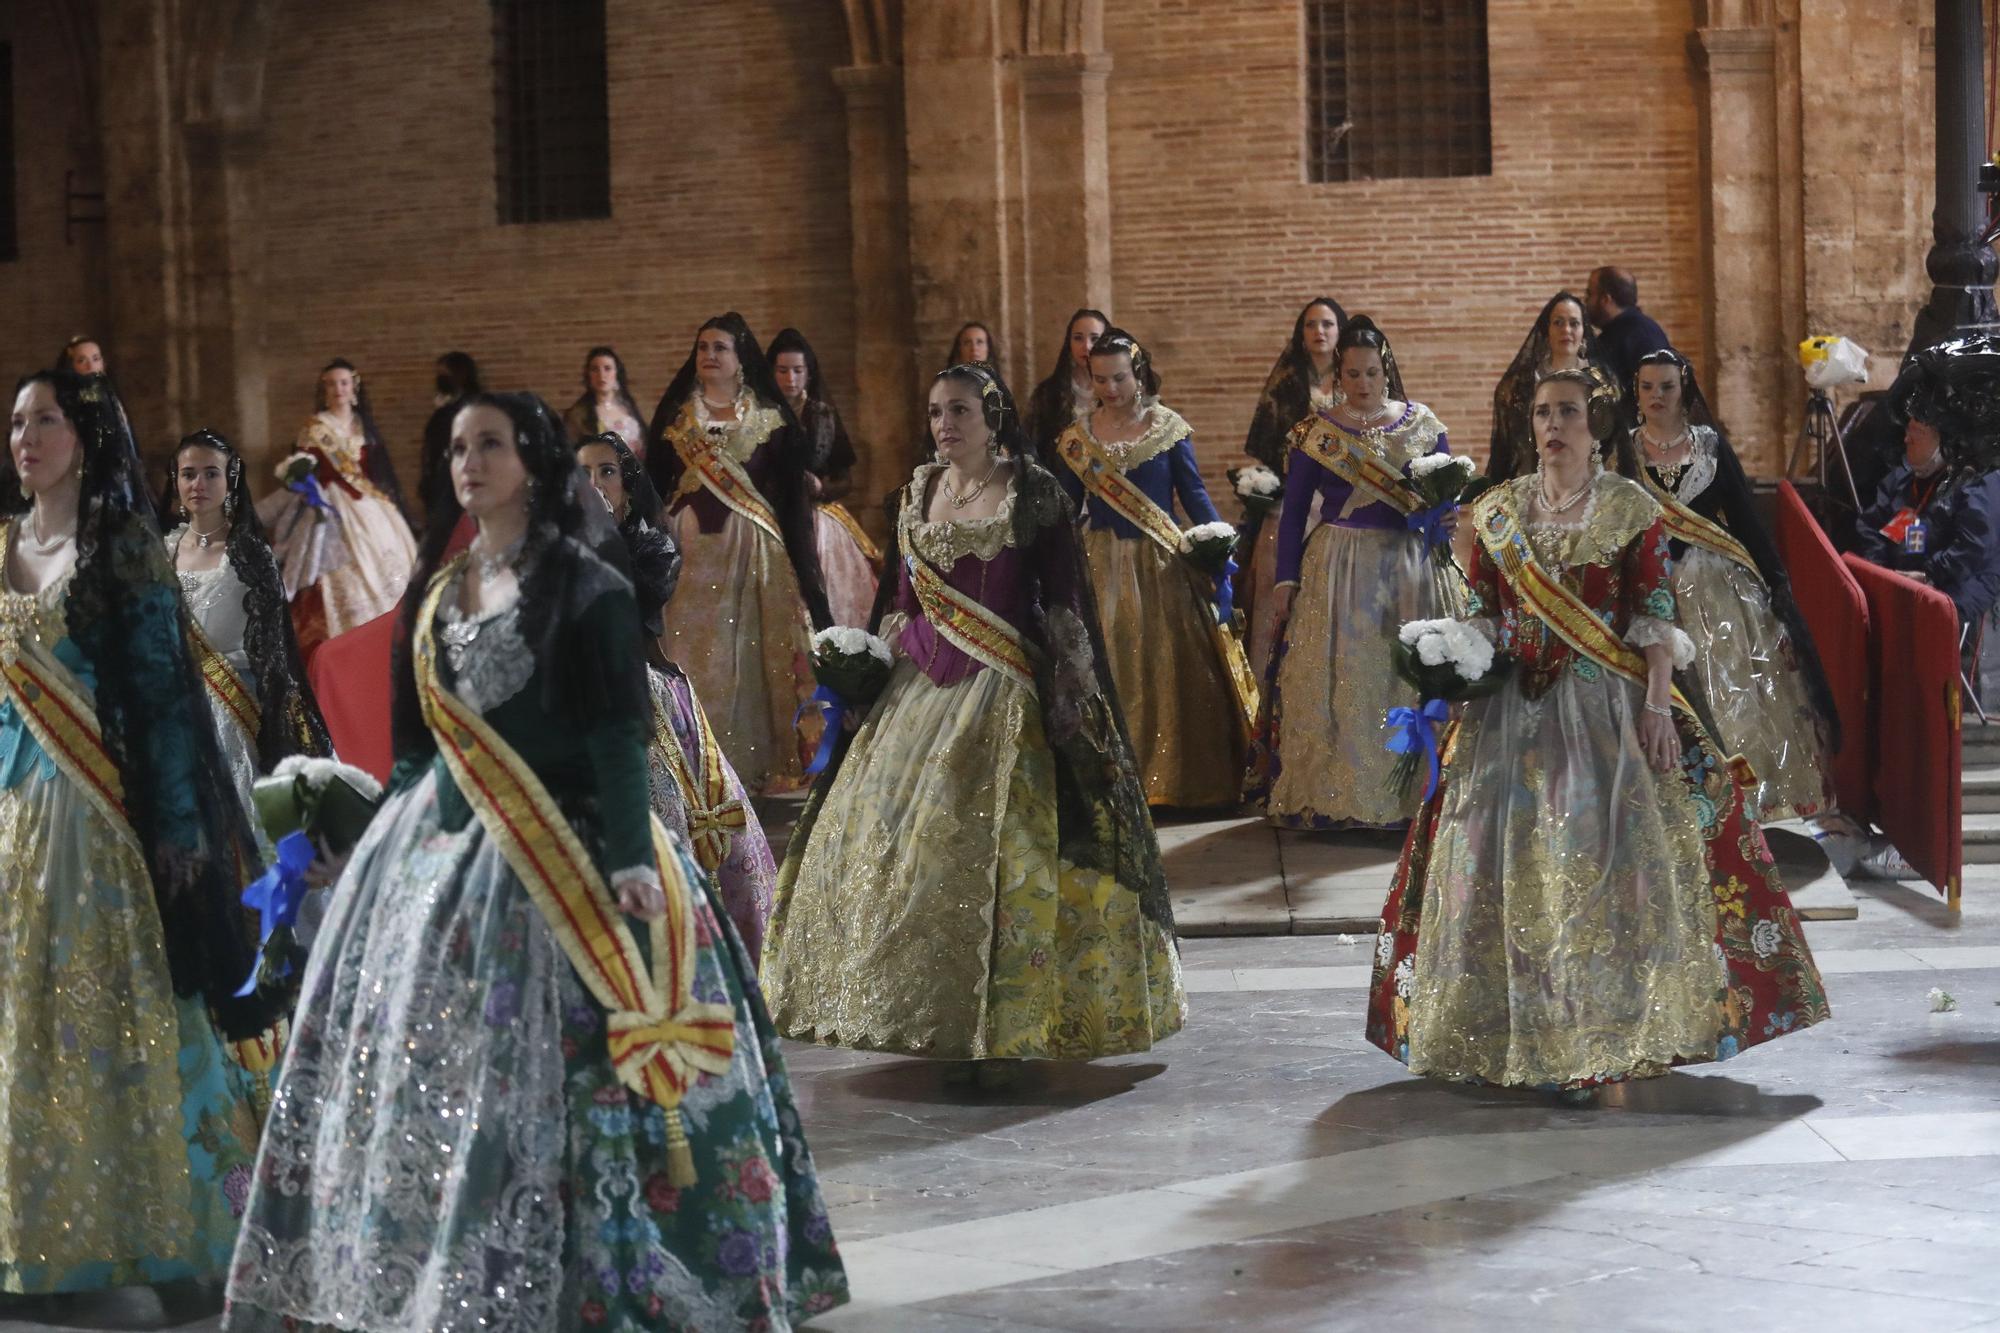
column 1396, row 88
column 551, row 118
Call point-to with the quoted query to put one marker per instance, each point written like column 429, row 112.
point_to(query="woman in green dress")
column 531, row 1085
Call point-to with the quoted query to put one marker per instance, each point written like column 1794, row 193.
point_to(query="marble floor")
column 1268, row 1170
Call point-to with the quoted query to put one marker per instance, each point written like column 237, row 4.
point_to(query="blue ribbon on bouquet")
column 276, row 895
column 1225, row 592
column 1430, row 522
column 1414, row 729
column 834, row 715
column 308, row 487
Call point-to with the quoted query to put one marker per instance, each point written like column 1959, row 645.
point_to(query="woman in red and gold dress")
column 1584, row 899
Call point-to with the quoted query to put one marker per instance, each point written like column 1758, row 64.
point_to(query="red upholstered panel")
column 350, row 675
column 1917, row 755
column 1836, row 611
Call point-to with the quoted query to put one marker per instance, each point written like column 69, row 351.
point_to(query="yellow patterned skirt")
column 738, row 629
column 1326, row 765
column 1755, row 691
column 1569, row 930
column 926, row 911
column 1187, row 729
column 126, row 1136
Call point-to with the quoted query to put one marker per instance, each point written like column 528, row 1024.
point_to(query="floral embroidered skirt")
column 450, row 1148
column 1319, row 759
column 352, row 564
column 849, row 574
column 1749, row 675
column 1564, row 915
column 1188, row 732
column 739, row 630
column 925, row 910
column 128, row 1133
column 748, row 875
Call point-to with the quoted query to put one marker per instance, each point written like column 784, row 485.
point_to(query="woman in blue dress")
column 123, row 850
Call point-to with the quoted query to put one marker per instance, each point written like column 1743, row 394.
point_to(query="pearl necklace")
column 202, row 539
column 960, row 501
column 1550, row 507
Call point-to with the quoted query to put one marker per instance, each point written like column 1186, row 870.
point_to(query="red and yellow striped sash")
column 661, row 1038
column 1354, row 463
column 840, row 514
column 714, row 817
column 65, row 725
column 227, row 687
column 709, row 465
column 1684, row 524
column 970, row 627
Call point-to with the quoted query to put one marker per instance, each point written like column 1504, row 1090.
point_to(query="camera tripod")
column 1820, row 433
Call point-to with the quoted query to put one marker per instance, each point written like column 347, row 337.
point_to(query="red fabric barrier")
column 1918, row 761
column 1836, row 612
column 350, row 677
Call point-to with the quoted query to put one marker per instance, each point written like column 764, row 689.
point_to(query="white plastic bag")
column 1831, row 361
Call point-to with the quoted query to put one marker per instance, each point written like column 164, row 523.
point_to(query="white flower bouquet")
column 1260, row 489
column 1447, row 662
column 309, row 808
column 851, row 663
column 1209, row 546
column 296, row 468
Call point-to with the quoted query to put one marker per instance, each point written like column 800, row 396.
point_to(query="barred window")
column 10, row 231
column 551, row 120
column 1396, row 88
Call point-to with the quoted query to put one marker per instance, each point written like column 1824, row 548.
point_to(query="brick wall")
column 1218, row 238
column 729, row 190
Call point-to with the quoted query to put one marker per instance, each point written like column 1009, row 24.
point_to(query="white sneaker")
column 1885, row 863
column 1844, row 841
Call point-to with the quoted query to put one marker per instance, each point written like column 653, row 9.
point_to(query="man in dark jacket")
column 1624, row 331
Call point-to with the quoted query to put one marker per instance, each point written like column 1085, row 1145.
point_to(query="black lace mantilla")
column 290, row 718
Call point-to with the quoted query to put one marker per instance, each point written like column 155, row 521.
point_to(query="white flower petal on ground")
column 1942, row 1000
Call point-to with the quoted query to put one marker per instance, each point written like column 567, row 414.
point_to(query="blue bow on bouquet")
column 834, row 715
column 1225, row 592
column 1430, row 522
column 276, row 895
column 309, row 488
column 1414, row 731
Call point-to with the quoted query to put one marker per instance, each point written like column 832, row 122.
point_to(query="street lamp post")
column 1962, row 266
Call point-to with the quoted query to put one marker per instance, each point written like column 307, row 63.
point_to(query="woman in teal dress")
column 530, row 1085
column 123, row 849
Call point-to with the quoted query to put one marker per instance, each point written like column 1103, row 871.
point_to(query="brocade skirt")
column 739, row 630
column 1187, row 729
column 1749, row 673
column 1565, row 915
column 926, row 911
column 451, row 1149
column 126, row 1135
column 846, row 568
column 1320, row 759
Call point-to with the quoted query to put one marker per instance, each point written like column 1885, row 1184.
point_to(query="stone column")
column 883, row 422
column 1960, row 264
column 1751, row 376
column 1066, row 177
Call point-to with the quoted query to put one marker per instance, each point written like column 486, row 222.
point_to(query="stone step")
column 1982, row 789
column 1982, row 839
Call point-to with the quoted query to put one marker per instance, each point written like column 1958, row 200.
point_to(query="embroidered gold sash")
column 661, row 1038
column 840, row 514
column 970, row 627
column 708, row 464
column 223, row 682
column 1559, row 608
column 1109, row 483
column 1354, row 463
column 1684, row 524
column 714, row 817
column 52, row 704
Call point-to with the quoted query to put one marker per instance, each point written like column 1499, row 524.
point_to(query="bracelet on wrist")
column 1658, row 710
